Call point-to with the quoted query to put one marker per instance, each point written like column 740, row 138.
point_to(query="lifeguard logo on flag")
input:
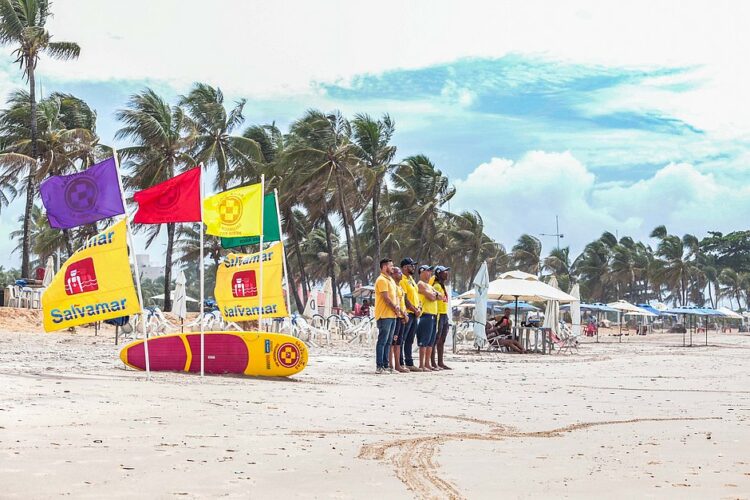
column 80, row 277
column 288, row 355
column 81, row 194
column 230, row 210
column 244, row 284
column 169, row 197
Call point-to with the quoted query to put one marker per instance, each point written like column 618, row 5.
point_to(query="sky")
column 613, row 116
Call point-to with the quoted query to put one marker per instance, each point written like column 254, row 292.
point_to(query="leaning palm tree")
column 46, row 240
column 22, row 24
column 162, row 148
column 373, row 138
column 321, row 153
column 527, row 254
column 66, row 139
column 215, row 145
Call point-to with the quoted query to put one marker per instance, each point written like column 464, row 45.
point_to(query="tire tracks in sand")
column 413, row 458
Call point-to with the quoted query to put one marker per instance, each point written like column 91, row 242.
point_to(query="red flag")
column 175, row 200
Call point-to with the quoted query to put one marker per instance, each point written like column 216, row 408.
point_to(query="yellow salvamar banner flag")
column 233, row 213
column 94, row 284
column 238, row 285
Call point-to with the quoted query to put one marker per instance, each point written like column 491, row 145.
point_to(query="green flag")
column 270, row 227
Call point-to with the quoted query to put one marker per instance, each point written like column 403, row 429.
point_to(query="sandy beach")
column 641, row 418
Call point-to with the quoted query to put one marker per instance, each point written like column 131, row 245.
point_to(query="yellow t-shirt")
column 428, row 306
column 409, row 286
column 442, row 305
column 401, row 298
column 385, row 284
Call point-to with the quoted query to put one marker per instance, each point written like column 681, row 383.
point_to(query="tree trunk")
column 30, row 181
column 168, row 268
column 329, row 248
column 68, row 242
column 376, row 224
column 358, row 252
column 345, row 219
column 290, row 230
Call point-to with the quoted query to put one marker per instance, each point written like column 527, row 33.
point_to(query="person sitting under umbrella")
column 500, row 333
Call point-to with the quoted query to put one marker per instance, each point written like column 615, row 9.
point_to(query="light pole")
column 557, row 233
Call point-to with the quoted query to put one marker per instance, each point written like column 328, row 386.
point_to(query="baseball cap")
column 440, row 269
column 425, row 267
column 408, row 261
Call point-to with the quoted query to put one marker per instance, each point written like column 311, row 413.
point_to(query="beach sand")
column 641, row 418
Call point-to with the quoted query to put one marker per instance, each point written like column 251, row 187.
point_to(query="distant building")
column 146, row 269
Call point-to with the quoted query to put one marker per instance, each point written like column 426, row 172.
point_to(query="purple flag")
column 82, row 198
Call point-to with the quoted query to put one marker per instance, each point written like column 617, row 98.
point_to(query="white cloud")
column 523, row 196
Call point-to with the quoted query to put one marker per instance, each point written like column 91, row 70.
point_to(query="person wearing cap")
column 386, row 311
column 413, row 308
column 398, row 334
column 439, row 280
column 426, row 329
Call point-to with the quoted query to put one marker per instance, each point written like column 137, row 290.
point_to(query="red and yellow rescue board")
column 248, row 353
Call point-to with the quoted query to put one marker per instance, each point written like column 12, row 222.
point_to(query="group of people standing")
column 406, row 309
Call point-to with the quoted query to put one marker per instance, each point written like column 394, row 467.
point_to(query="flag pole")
column 135, row 263
column 201, row 272
column 283, row 255
column 260, row 270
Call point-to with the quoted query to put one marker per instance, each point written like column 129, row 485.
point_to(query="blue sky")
column 610, row 118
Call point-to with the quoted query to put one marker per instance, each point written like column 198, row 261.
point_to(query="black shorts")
column 398, row 335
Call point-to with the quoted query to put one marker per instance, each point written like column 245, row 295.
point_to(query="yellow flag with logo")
column 235, row 212
column 238, row 285
column 94, row 284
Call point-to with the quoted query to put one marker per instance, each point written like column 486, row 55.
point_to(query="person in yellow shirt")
column 387, row 310
column 439, row 284
column 426, row 333
column 413, row 310
column 398, row 334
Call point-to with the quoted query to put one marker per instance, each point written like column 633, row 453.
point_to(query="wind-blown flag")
column 94, row 284
column 234, row 213
column 175, row 200
column 82, row 198
column 270, row 227
column 238, row 285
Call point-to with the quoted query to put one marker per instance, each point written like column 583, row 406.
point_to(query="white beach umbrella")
column 575, row 310
column 481, row 285
column 328, row 293
column 49, row 272
column 552, row 311
column 517, row 285
column 180, row 296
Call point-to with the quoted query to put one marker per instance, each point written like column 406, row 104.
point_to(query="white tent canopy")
column 517, row 285
column 575, row 310
column 629, row 309
column 172, row 295
column 729, row 313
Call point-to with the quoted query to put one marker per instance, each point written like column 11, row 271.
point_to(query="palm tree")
column 592, row 270
column 420, row 192
column 527, row 254
column 468, row 246
column 733, row 284
column 46, row 240
column 373, row 139
column 214, row 144
column 66, row 139
column 162, row 147
column 321, row 153
column 676, row 267
column 22, row 23
column 558, row 263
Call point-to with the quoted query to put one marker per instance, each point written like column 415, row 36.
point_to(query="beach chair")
column 564, row 341
column 15, row 296
column 309, row 333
